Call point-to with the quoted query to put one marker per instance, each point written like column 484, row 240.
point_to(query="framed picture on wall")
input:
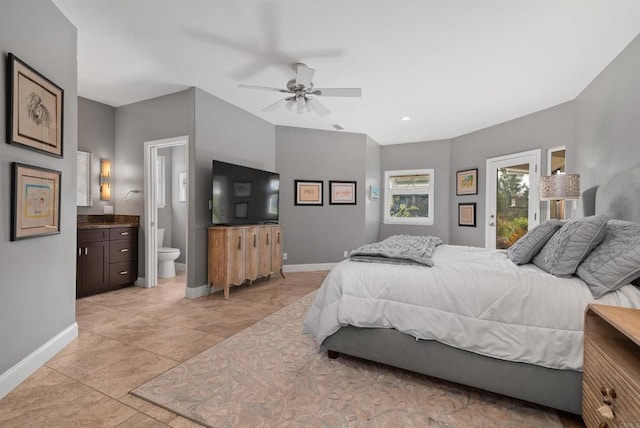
column 308, row 192
column 467, row 182
column 35, row 109
column 342, row 192
column 467, row 214
column 35, row 201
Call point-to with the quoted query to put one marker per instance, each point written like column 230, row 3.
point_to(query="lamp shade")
column 559, row 187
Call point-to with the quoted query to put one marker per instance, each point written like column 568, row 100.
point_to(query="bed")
column 529, row 348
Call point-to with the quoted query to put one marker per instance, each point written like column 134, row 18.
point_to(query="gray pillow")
column 530, row 244
column 616, row 261
column 571, row 244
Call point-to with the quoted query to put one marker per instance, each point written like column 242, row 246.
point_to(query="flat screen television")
column 243, row 195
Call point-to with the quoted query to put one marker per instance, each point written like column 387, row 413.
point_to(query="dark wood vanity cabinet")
column 107, row 259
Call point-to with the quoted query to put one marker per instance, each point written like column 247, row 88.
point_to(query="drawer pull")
column 124, row 272
column 254, row 240
column 124, row 250
column 608, row 394
column 86, row 250
column 239, row 242
column 80, row 251
column 124, row 233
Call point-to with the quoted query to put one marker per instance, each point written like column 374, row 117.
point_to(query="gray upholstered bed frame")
column 560, row 389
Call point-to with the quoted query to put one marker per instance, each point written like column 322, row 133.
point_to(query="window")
column 409, row 197
column 160, row 199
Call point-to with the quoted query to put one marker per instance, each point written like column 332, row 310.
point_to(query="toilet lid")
column 168, row 250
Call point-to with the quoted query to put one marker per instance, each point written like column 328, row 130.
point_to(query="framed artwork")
column 467, row 182
column 35, row 109
column 342, row 192
column 35, row 201
column 241, row 210
column 242, row 189
column 308, row 192
column 467, row 214
column 375, row 192
column 182, row 187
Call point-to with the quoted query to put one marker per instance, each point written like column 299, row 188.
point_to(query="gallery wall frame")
column 342, row 192
column 35, row 201
column 467, row 182
column 308, row 192
column 35, row 109
column 467, row 214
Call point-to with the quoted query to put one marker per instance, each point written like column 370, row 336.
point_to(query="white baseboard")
column 308, row 267
column 196, row 292
column 32, row 362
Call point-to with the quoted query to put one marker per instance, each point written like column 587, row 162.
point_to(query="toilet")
column 166, row 258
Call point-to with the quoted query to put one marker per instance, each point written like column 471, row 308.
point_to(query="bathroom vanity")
column 107, row 253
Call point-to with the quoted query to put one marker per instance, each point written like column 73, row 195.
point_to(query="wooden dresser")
column 243, row 253
column 611, row 383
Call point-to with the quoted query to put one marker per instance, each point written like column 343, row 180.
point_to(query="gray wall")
column 230, row 134
column 607, row 126
column 320, row 234
column 178, row 237
column 432, row 154
column 37, row 295
column 158, row 118
column 373, row 211
column 542, row 130
column 97, row 135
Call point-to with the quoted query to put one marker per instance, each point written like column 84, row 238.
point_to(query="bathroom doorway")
column 166, row 172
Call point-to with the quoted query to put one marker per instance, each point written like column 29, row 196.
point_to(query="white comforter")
column 472, row 298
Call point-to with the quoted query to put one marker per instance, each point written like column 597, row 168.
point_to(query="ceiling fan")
column 303, row 94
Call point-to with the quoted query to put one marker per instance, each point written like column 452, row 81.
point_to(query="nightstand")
column 611, row 382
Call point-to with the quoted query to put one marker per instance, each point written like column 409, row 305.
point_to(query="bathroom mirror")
column 83, row 194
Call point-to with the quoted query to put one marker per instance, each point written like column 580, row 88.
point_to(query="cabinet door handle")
column 267, row 239
column 80, row 251
column 239, row 242
column 278, row 237
column 124, row 272
column 124, row 233
column 86, row 250
column 124, row 250
column 255, row 239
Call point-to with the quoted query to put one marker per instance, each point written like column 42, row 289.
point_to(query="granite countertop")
column 101, row 221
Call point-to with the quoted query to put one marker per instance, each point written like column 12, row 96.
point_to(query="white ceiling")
column 453, row 66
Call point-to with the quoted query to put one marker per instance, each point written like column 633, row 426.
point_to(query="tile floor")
column 130, row 336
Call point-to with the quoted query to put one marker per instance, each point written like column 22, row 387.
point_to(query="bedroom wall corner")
column 548, row 128
column 320, row 234
column 373, row 178
column 430, row 154
column 37, row 295
column 607, row 126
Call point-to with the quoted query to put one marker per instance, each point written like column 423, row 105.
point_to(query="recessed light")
column 405, row 118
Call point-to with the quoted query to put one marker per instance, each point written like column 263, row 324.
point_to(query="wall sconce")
column 560, row 187
column 105, row 179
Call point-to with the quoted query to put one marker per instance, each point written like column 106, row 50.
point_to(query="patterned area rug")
column 271, row 374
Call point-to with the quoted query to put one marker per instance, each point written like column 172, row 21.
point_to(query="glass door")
column 513, row 198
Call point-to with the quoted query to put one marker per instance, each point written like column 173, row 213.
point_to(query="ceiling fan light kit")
column 301, row 88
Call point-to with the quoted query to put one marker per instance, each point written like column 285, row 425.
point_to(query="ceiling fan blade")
column 304, row 75
column 338, row 92
column 317, row 106
column 275, row 105
column 264, row 88
column 300, row 104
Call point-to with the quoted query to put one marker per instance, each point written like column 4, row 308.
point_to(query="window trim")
column 430, row 191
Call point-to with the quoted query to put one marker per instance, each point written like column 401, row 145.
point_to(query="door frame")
column 151, row 205
column 531, row 157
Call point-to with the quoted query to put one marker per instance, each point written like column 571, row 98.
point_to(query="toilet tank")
column 160, row 237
